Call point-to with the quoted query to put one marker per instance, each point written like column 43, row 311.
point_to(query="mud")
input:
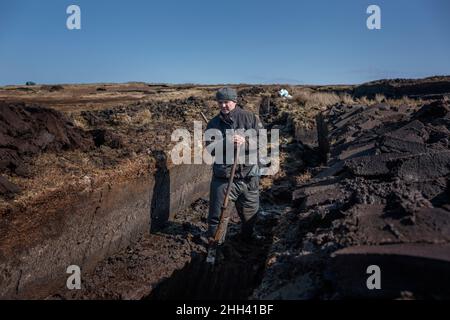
column 135, row 271
column 386, row 182
column 427, row 264
column 78, row 183
column 358, row 184
column 26, row 131
column 170, row 262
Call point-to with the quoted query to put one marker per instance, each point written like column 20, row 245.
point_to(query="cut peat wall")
column 90, row 227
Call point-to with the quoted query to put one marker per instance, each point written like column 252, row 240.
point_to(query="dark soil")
column 26, row 131
column 386, row 183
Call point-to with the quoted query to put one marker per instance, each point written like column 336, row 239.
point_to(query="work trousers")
column 244, row 193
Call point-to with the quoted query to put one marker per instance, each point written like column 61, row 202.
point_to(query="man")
column 245, row 189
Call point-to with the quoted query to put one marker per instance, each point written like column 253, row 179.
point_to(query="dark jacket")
column 236, row 119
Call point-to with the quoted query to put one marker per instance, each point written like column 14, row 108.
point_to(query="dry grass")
column 302, row 178
column 407, row 101
column 143, row 117
column 379, row 98
column 307, row 103
column 79, row 121
column 365, row 101
column 308, row 99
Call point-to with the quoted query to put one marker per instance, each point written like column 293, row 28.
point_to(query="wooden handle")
column 221, row 229
column 204, row 117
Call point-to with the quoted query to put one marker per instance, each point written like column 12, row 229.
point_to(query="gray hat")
column 225, row 94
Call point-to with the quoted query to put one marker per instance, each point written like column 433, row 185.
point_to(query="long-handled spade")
column 221, row 231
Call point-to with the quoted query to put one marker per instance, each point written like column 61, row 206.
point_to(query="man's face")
column 226, row 106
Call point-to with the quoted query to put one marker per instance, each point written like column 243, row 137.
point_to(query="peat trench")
column 381, row 198
column 240, row 264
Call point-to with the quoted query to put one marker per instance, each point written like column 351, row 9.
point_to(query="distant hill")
column 397, row 88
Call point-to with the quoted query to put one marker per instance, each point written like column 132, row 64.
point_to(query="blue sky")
column 209, row 41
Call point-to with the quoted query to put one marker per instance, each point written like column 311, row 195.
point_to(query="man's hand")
column 238, row 140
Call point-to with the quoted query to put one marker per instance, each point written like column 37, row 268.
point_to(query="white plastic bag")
column 284, row 94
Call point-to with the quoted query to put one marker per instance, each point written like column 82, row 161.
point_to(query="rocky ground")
column 383, row 194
